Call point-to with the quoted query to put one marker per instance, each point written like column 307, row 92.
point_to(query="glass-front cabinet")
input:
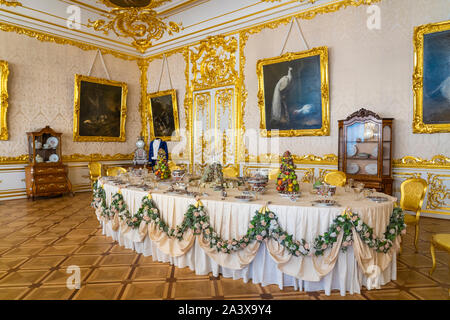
column 44, row 146
column 45, row 175
column 365, row 149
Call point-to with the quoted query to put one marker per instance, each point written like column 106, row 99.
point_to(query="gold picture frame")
column 169, row 98
column 4, row 73
column 292, row 61
column 419, row 125
column 99, row 118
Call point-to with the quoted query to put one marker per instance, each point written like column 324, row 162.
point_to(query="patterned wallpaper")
column 367, row 68
column 41, row 85
column 177, row 67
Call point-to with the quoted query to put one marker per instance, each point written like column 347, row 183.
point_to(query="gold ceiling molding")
column 45, row 37
column 438, row 162
column 142, row 25
column 10, row 3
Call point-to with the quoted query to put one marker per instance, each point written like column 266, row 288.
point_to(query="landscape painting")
column 293, row 94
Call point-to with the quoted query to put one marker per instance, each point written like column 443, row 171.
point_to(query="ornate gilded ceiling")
column 141, row 28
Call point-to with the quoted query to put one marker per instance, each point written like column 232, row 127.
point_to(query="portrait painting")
column 432, row 78
column 163, row 115
column 100, row 109
column 4, row 73
column 293, row 94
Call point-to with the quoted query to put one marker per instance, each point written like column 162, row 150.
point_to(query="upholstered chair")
column 336, row 178
column 440, row 241
column 95, row 171
column 114, row 171
column 173, row 166
column 412, row 195
column 273, row 174
column 230, row 172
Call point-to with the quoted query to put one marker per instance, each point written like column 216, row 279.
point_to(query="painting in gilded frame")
column 431, row 79
column 99, row 109
column 4, row 72
column 293, row 94
column 163, row 115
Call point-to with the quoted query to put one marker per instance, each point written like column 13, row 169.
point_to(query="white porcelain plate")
column 352, row 168
column 53, row 157
column 52, row 142
column 351, row 150
column 375, row 152
column 372, row 168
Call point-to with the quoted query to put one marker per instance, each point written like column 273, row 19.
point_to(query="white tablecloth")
column 231, row 218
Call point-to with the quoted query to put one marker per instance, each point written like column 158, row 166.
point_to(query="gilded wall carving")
column 214, row 63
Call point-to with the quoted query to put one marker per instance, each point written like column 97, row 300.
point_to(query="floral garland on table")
column 263, row 225
column 99, row 199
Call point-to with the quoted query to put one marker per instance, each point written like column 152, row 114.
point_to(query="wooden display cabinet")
column 46, row 175
column 365, row 149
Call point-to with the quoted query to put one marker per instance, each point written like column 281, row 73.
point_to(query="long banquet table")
column 265, row 262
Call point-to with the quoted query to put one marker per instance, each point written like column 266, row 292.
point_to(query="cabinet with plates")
column 45, row 175
column 365, row 149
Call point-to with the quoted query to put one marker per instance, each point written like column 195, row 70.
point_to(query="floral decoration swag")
column 263, row 225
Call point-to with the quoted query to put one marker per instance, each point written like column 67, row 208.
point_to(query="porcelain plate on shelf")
column 53, row 158
column 372, row 168
column 375, row 152
column 352, row 168
column 352, row 150
column 52, row 142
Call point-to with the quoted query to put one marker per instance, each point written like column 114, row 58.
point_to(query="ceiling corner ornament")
column 142, row 25
column 10, row 3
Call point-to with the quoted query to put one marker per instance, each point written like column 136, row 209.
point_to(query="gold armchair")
column 230, row 172
column 273, row 174
column 173, row 166
column 440, row 241
column 114, row 171
column 336, row 178
column 95, row 171
column 412, row 195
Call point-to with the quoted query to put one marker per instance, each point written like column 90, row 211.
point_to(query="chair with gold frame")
column 114, row 171
column 95, row 171
column 173, row 166
column 230, row 172
column 336, row 178
column 412, row 195
column 440, row 241
column 273, row 174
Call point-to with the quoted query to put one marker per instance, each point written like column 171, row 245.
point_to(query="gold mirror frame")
column 76, row 111
column 325, row 129
column 418, row 125
column 4, row 73
column 173, row 93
